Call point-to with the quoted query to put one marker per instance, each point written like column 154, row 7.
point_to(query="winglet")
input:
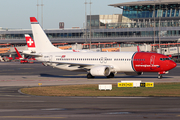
column 33, row 20
column 19, row 55
column 138, row 49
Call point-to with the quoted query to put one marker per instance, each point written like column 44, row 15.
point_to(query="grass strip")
column 159, row 89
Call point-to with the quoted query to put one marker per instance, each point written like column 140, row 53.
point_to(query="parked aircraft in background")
column 23, row 60
column 6, row 59
column 98, row 63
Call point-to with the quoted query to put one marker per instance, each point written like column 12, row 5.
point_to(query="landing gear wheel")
column 111, row 75
column 160, row 76
column 89, row 76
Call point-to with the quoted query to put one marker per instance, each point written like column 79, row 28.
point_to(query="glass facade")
column 147, row 11
column 132, row 30
column 94, row 23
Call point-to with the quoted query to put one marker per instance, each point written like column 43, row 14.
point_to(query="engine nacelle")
column 100, row 71
column 134, row 73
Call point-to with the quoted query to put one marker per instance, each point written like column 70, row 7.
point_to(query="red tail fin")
column 19, row 55
column 33, row 20
column 29, row 41
column 138, row 49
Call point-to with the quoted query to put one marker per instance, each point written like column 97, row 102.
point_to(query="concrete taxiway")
column 14, row 105
column 16, row 74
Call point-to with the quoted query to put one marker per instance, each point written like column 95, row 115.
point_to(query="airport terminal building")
column 140, row 22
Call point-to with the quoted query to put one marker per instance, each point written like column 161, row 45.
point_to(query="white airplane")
column 98, row 63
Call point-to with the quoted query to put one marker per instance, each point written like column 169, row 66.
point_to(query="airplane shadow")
column 141, row 77
column 60, row 76
column 100, row 77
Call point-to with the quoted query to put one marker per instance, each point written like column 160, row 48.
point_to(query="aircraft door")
column 101, row 60
column 105, row 60
column 50, row 58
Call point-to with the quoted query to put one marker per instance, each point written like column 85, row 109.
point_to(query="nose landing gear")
column 160, row 76
column 161, row 73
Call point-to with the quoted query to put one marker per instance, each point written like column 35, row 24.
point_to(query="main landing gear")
column 111, row 75
column 89, row 76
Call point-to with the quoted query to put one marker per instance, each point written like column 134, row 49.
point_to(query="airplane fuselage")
column 116, row 61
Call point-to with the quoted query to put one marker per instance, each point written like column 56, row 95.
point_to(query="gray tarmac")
column 15, row 105
column 16, row 74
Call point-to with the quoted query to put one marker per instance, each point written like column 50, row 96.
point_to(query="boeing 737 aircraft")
column 98, row 63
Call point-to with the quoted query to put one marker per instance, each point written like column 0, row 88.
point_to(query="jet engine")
column 100, row 71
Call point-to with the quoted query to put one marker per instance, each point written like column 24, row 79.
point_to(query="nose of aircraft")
column 172, row 64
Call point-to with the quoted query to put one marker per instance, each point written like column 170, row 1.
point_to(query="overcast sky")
column 16, row 13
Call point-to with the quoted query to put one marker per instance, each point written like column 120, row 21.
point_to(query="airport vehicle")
column 7, row 59
column 98, row 63
column 24, row 60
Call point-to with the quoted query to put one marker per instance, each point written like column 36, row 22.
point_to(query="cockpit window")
column 164, row 59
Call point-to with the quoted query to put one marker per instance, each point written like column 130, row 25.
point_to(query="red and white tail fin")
column 138, row 49
column 19, row 55
column 42, row 42
column 29, row 41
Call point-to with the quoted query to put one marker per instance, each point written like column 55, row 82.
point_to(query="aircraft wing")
column 34, row 54
column 74, row 64
column 82, row 65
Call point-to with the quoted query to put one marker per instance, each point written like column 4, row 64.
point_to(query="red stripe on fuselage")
column 150, row 62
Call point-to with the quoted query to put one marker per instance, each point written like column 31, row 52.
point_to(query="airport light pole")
column 42, row 13
column 90, row 24
column 37, row 10
column 85, row 22
column 160, row 25
column 154, row 26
